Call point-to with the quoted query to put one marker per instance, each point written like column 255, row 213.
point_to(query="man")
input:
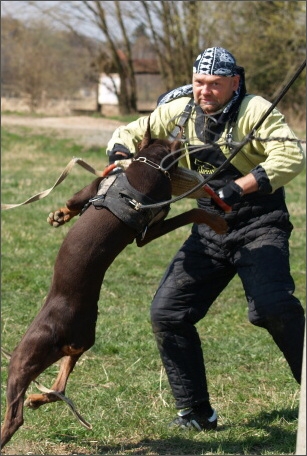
column 256, row 244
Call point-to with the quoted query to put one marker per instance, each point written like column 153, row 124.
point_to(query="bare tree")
column 268, row 38
column 109, row 20
column 122, row 62
column 35, row 63
column 175, row 30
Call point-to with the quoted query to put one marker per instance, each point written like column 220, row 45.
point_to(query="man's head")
column 215, row 79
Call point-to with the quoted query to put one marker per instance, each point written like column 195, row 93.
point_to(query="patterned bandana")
column 215, row 61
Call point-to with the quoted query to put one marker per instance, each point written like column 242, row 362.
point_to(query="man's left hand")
column 231, row 193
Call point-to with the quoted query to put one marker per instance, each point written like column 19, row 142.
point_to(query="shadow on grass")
column 259, row 434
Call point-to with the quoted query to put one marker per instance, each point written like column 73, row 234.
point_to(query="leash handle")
column 61, row 396
column 108, row 169
column 63, row 176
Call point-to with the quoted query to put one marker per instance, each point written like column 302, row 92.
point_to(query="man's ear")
column 236, row 82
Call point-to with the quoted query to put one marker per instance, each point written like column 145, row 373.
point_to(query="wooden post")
column 301, row 431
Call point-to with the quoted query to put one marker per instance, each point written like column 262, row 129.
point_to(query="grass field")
column 119, row 385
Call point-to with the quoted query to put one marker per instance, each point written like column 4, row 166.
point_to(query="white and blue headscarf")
column 215, row 61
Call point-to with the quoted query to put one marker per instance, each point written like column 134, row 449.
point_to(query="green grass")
column 119, row 385
column 121, row 118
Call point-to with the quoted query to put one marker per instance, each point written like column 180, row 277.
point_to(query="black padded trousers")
column 196, row 277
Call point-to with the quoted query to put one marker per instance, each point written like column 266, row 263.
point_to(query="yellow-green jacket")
column 281, row 160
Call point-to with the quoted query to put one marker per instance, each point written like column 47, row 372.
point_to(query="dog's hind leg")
column 17, row 386
column 67, row 365
column 14, row 411
column 20, row 376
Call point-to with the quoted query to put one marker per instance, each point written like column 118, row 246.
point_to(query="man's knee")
column 276, row 316
column 171, row 316
column 165, row 319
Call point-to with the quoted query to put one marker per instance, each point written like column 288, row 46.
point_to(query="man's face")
column 213, row 92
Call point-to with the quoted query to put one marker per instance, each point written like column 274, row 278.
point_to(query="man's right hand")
column 119, row 155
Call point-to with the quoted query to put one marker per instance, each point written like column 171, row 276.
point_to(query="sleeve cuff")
column 264, row 186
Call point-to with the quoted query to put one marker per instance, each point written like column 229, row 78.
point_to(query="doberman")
column 64, row 328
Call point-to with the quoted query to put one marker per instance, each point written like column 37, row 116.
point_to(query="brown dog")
column 65, row 326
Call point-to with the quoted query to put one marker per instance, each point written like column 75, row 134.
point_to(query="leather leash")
column 63, row 175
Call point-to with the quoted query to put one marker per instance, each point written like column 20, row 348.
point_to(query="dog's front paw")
column 56, row 218
column 61, row 216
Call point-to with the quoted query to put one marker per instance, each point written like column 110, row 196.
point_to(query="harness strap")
column 184, row 117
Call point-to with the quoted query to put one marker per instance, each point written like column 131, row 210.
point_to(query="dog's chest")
column 125, row 202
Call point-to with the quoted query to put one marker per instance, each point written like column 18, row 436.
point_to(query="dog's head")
column 160, row 149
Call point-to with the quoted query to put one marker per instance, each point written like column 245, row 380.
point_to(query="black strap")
column 184, row 117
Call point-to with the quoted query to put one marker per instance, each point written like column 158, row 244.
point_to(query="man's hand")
column 226, row 196
column 118, row 155
column 231, row 193
column 215, row 197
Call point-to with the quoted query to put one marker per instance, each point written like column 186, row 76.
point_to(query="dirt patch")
column 85, row 130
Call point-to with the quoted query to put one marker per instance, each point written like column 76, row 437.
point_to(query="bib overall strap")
column 184, row 117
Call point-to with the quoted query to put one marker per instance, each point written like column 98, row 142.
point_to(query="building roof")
column 146, row 66
column 142, row 66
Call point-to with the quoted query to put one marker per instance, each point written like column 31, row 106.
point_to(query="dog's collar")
column 154, row 165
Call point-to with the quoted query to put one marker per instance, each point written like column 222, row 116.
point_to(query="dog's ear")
column 176, row 145
column 147, row 137
column 171, row 161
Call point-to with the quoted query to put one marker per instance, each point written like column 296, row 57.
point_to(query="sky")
column 18, row 9
column 73, row 11
column 23, row 10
